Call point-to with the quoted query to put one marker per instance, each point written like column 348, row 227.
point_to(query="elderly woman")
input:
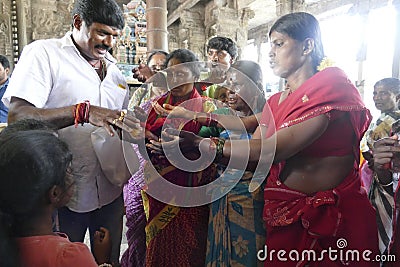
column 313, row 197
column 236, row 231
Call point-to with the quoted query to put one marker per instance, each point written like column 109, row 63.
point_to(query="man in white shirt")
column 52, row 82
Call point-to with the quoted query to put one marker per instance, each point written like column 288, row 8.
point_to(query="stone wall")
column 6, row 43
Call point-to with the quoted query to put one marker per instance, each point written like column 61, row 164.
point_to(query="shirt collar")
column 5, row 84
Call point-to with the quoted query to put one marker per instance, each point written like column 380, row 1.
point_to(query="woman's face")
column 238, row 91
column 180, row 78
column 384, row 98
column 222, row 95
column 157, row 62
column 286, row 56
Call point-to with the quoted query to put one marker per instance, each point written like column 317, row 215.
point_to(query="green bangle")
column 219, row 147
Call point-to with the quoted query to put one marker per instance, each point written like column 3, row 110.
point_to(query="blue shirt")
column 3, row 108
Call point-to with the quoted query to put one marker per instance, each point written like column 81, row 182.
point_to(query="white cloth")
column 52, row 73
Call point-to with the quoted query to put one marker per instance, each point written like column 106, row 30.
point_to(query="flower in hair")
column 325, row 63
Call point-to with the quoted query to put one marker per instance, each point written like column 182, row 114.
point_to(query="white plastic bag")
column 114, row 156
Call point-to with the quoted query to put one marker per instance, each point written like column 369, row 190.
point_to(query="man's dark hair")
column 393, row 84
column 223, row 43
column 4, row 62
column 101, row 11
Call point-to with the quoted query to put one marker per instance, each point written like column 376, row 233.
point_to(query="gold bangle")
column 105, row 265
column 195, row 116
column 383, row 185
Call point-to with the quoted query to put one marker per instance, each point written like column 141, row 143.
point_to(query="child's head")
column 32, row 163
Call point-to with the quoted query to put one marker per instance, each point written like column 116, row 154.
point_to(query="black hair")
column 393, row 84
column 31, row 163
column 223, row 43
column 4, row 62
column 156, row 52
column 25, row 125
column 300, row 26
column 253, row 71
column 105, row 12
column 184, row 56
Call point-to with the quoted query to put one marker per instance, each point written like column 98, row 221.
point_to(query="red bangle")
column 81, row 113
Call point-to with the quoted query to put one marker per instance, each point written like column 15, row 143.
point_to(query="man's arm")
column 64, row 116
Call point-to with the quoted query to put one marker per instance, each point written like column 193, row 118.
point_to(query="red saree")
column 340, row 219
column 175, row 236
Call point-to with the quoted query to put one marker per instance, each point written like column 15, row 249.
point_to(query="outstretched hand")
column 102, row 245
column 132, row 128
column 184, row 140
column 142, row 72
column 172, row 111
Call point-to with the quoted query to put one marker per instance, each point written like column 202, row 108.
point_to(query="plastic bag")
column 113, row 155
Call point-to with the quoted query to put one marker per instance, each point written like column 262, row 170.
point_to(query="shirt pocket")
column 113, row 93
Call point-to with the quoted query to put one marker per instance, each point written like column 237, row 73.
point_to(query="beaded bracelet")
column 105, row 265
column 81, row 113
column 383, row 185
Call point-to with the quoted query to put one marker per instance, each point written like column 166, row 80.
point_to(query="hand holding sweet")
column 102, row 245
column 383, row 152
column 173, row 111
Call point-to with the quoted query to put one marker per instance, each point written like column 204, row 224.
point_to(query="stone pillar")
column 156, row 17
column 284, row 7
column 396, row 55
column 6, row 43
column 21, row 21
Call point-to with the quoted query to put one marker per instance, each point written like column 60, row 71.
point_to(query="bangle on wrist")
column 218, row 146
column 81, row 113
column 195, row 116
column 105, row 265
column 379, row 182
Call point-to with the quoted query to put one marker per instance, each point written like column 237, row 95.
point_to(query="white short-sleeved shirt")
column 51, row 74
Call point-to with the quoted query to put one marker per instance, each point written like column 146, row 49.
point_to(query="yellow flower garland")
column 325, row 63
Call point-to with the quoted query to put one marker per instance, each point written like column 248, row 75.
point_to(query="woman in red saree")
column 316, row 212
column 176, row 236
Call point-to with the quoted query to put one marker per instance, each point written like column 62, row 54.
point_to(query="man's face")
column 219, row 56
column 3, row 74
column 94, row 41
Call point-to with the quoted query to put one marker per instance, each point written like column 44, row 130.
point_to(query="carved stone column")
column 156, row 17
column 191, row 30
column 289, row 6
column 225, row 20
column 396, row 55
column 21, row 21
column 5, row 30
column 50, row 18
